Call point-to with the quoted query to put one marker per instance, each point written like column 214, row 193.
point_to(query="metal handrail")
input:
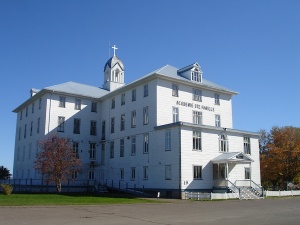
column 233, row 185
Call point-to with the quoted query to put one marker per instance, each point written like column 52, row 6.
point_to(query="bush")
column 7, row 188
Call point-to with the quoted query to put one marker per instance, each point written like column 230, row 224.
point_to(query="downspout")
column 49, row 118
column 179, row 139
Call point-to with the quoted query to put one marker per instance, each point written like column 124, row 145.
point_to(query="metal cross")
column 115, row 48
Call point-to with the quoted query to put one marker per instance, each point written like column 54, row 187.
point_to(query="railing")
column 234, row 188
column 258, row 190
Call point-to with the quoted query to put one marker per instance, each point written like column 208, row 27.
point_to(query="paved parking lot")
column 269, row 211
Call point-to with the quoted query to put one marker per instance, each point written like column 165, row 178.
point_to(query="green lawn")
column 66, row 199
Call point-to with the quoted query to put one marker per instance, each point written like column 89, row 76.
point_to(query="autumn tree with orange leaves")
column 57, row 161
column 280, row 156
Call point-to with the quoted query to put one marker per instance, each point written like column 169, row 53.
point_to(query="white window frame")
column 133, row 145
column 197, row 172
column 197, row 117
column 175, row 90
column 94, row 107
column 146, row 90
column 145, row 172
column 223, row 143
column 217, row 120
column 76, row 128
column 217, row 99
column 197, row 95
column 146, row 144
column 77, row 104
column 92, row 150
column 247, row 173
column 168, row 172
column 123, row 99
column 247, row 146
column 145, row 115
column 122, row 127
column 175, row 113
column 112, row 149
column 76, row 149
column 112, row 125
column 133, row 118
column 168, row 140
column 122, row 173
column 133, row 173
column 113, row 103
column 93, row 128
column 133, row 95
column 197, row 140
column 91, row 175
column 122, row 147
column 61, row 124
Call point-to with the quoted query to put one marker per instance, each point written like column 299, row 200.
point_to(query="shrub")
column 7, row 189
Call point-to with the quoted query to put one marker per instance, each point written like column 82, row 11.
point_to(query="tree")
column 4, row 173
column 57, row 161
column 280, row 155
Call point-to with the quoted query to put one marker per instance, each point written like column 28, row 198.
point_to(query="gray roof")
column 78, row 89
column 232, row 157
column 172, row 72
column 113, row 61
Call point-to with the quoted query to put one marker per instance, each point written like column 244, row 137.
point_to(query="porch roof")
column 232, row 157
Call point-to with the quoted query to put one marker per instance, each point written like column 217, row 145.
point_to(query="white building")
column 169, row 131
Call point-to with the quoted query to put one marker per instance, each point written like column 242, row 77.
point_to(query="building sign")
column 195, row 106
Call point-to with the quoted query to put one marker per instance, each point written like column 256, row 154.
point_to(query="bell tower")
column 113, row 73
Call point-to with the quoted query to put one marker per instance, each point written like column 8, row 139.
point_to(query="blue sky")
column 252, row 47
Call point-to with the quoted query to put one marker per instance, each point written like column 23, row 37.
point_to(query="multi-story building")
column 169, row 131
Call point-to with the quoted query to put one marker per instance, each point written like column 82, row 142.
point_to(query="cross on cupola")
column 115, row 48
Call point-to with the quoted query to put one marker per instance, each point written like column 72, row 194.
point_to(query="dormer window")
column 196, row 75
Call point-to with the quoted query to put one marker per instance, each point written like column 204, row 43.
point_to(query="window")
column 92, row 150
column 168, row 172
column 168, row 140
column 122, row 147
column 223, row 143
column 77, row 104
column 145, row 172
column 113, row 103
column 133, row 118
column 40, row 103
column 247, row 149
column 217, row 99
column 132, row 173
column 196, row 76
column 62, row 102
column 218, row 120
column 175, row 114
column 197, row 140
column 197, row 95
column 146, row 143
column 102, row 153
column 94, row 107
column 20, row 133
column 175, row 90
column 197, row 172
column 112, row 149
column 74, row 175
column 133, row 145
column 21, row 115
column 93, row 129
column 25, row 129
column 122, row 122
column 247, row 173
column 91, row 175
column 133, row 95
column 38, row 125
column 197, row 117
column 26, row 111
column 31, row 127
column 76, row 149
column 32, row 108
column 145, row 115
column 145, row 90
column 122, row 174
column 61, row 124
column 112, row 125
column 76, row 128
column 103, row 130
column 123, row 99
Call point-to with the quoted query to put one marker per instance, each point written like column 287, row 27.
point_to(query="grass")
column 66, row 199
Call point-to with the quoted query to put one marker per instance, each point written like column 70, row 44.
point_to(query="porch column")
column 226, row 173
